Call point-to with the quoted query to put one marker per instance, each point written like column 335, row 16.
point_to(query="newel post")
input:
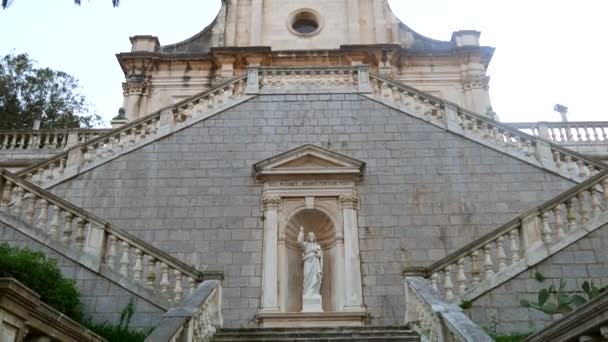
column 363, row 79
column 253, row 81
column 72, row 139
column 95, row 244
column 74, row 161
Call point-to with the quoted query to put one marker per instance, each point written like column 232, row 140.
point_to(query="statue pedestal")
column 312, row 304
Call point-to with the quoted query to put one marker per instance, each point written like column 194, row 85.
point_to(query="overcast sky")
column 548, row 51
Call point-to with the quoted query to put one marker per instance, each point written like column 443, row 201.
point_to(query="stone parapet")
column 23, row 316
column 197, row 319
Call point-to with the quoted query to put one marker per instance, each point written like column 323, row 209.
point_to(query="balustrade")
column 503, row 248
column 101, row 148
column 408, row 100
column 571, row 133
column 75, row 229
column 46, row 140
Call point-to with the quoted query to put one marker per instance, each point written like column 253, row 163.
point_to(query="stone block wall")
column 585, row 260
column 426, row 191
column 102, row 299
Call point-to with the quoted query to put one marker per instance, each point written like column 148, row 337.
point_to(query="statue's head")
column 312, row 237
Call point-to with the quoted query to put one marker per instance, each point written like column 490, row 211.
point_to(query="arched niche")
column 316, row 221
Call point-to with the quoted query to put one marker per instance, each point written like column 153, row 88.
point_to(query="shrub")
column 42, row 275
column 122, row 332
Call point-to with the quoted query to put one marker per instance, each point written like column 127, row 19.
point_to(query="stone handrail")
column 41, row 140
column 196, row 320
column 76, row 229
column 484, row 130
column 587, row 323
column 133, row 135
column 543, row 229
column 31, row 319
column 570, row 133
column 435, row 319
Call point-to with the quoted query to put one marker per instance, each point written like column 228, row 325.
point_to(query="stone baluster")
column 151, row 276
column 178, row 291
column 582, row 170
column 79, row 239
column 487, row 261
column 546, row 230
column 18, row 206
column 595, row 203
column 54, row 226
column 164, row 280
column 559, row 222
column 605, row 190
column 124, row 260
column 30, row 211
column 461, row 278
column 500, row 254
column 475, row 271
column 557, row 157
column 43, row 217
column 191, row 285
column 570, row 215
column 570, row 165
column 582, row 207
column 138, row 267
column 434, row 277
column 67, row 229
column 448, row 286
column 514, row 245
column 7, row 194
column 111, row 255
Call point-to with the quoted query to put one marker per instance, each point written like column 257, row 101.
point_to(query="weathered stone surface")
column 425, row 193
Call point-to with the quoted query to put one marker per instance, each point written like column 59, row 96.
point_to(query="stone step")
column 317, row 334
column 406, row 338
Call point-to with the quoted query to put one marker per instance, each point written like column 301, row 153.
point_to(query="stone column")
column 283, row 264
column 337, row 276
column 269, row 267
column 134, row 91
column 476, row 88
column 256, row 22
column 353, row 291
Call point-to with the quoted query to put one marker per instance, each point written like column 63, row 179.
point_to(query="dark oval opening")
column 305, row 26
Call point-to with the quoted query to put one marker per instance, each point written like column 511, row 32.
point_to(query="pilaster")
column 270, row 207
column 352, row 260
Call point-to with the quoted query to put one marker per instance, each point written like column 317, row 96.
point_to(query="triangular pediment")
column 309, row 160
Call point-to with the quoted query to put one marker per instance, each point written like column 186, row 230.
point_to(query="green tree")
column 7, row 3
column 29, row 93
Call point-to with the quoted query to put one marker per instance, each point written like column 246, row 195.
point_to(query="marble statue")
column 313, row 272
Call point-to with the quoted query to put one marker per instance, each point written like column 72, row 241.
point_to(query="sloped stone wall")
column 102, row 299
column 426, row 192
column 584, row 260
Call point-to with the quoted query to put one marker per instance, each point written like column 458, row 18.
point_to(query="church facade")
column 332, row 165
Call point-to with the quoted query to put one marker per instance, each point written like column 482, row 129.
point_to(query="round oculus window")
column 305, row 23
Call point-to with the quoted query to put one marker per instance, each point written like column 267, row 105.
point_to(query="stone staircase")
column 446, row 115
column 80, row 238
column 519, row 245
column 317, row 334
